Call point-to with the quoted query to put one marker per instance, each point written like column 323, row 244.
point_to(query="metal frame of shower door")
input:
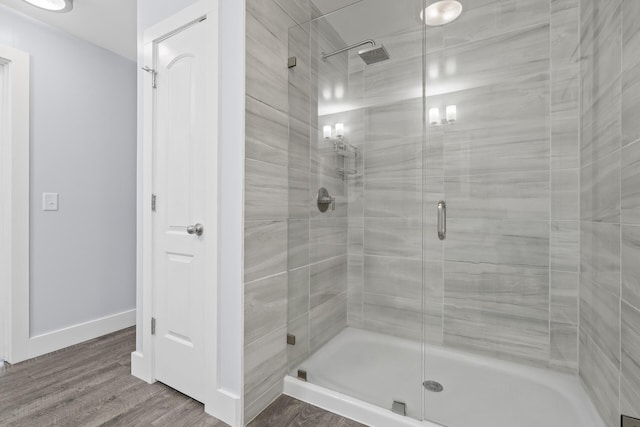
column 14, row 186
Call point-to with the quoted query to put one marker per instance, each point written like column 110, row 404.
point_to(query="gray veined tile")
column 355, row 273
column 266, row 190
column 395, row 277
column 630, row 264
column 327, row 320
column 630, row 176
column 265, row 306
column 600, row 379
column 266, row 78
column 328, row 280
column 565, row 91
column 433, row 282
column 600, row 190
column 511, row 196
column 265, row 364
column 600, row 318
column 299, row 145
column 393, row 198
column 488, row 288
column 327, row 238
column 630, row 72
column 564, row 347
column 396, row 316
column 393, row 237
column 265, row 249
column 565, row 32
column 523, row 243
column 272, row 17
column 601, row 129
column 601, row 49
column 565, row 246
column 565, row 142
column 564, row 297
column 565, row 194
column 393, row 157
column 630, row 374
column 299, row 195
column 499, row 334
column 298, row 246
column 600, row 254
column 267, row 133
column 298, row 293
column 299, row 352
column 354, row 309
column 356, row 234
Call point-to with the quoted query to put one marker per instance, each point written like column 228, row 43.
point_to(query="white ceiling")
column 110, row 24
column 368, row 19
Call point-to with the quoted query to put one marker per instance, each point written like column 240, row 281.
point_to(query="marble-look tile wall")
column 610, row 207
column 505, row 282
column 271, row 146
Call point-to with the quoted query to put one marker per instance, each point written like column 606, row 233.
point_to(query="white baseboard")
column 57, row 340
column 226, row 407
column 139, row 367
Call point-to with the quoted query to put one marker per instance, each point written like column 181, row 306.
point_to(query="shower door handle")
column 442, row 220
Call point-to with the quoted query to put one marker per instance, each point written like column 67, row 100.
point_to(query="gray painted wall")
column 610, row 207
column 82, row 147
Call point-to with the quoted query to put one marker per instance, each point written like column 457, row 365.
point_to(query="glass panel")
column 493, row 340
column 355, row 258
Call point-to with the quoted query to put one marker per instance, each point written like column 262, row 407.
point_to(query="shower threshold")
column 359, row 374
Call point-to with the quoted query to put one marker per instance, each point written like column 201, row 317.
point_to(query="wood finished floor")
column 91, row 385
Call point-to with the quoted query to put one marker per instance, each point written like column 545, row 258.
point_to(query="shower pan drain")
column 433, row 386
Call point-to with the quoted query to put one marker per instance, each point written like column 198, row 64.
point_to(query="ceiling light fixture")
column 52, row 5
column 441, row 12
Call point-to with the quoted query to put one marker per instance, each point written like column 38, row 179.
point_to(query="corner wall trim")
column 57, row 340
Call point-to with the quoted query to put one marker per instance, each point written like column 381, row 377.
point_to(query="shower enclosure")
column 473, row 124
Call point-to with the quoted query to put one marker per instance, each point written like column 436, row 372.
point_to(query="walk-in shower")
column 389, row 316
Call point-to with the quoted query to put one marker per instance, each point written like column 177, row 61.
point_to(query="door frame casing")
column 218, row 402
column 14, row 182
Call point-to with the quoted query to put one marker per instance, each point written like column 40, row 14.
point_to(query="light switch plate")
column 630, row 422
column 49, row 201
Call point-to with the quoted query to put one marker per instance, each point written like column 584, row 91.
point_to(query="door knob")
column 197, row 229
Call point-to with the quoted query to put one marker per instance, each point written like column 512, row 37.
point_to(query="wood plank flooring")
column 91, row 385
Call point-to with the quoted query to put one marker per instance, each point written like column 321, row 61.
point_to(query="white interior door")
column 181, row 186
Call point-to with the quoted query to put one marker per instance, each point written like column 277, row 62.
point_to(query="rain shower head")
column 370, row 55
column 374, row 54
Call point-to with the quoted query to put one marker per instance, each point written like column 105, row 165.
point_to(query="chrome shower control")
column 324, row 200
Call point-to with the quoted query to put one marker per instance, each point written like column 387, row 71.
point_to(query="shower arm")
column 344, row 49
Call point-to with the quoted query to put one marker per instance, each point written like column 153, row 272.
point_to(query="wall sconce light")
column 434, row 116
column 328, row 133
column 451, row 115
column 326, row 130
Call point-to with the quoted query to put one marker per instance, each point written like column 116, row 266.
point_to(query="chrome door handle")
column 196, row 229
column 442, row 220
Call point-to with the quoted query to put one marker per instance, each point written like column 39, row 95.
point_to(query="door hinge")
column 153, row 203
column 154, row 75
column 153, row 326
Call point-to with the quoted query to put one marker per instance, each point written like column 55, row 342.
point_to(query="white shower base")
column 358, row 374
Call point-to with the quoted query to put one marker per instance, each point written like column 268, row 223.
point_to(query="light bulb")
column 326, row 130
column 434, row 116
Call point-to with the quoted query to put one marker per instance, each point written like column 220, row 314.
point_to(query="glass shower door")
column 356, row 201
